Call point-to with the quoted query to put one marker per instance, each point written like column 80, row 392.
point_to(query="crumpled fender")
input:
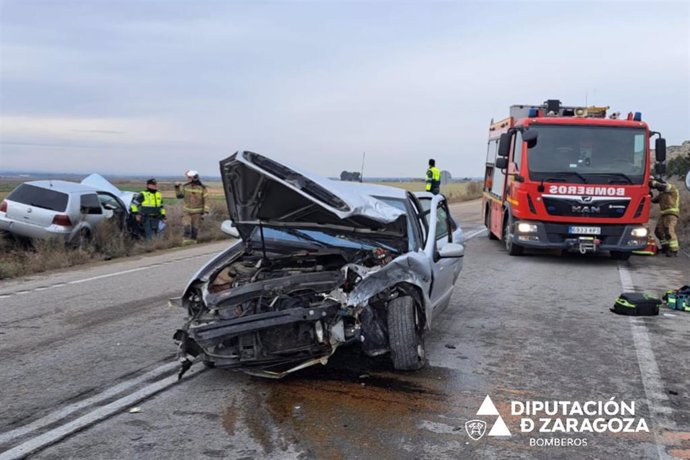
column 411, row 268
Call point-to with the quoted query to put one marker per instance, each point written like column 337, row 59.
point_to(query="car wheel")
column 512, row 248
column 617, row 255
column 405, row 335
column 487, row 223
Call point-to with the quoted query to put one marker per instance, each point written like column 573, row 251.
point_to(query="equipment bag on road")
column 637, row 304
column 678, row 299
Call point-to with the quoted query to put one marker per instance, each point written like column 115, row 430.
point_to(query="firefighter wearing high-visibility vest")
column 669, row 205
column 433, row 178
column 148, row 210
column 195, row 205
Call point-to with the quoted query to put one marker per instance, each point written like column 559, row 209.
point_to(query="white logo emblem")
column 476, row 428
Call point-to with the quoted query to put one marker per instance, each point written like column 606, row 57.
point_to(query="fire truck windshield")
column 588, row 154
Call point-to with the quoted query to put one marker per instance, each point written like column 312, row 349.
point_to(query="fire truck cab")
column 569, row 178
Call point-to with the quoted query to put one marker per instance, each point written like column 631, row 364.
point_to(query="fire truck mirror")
column 504, row 146
column 501, row 162
column 660, row 147
column 660, row 169
column 687, row 181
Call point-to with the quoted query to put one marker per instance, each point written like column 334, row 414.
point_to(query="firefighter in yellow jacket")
column 195, row 205
column 669, row 204
column 148, row 211
column 433, row 178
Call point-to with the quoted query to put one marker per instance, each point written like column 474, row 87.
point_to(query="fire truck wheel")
column 617, row 255
column 405, row 335
column 512, row 248
column 487, row 223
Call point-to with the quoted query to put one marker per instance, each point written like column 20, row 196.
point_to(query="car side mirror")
column 451, row 250
column 660, row 148
column 687, row 181
column 229, row 228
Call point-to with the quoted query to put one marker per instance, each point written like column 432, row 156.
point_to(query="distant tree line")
column 350, row 176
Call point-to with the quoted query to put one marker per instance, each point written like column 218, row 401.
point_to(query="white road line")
column 107, row 275
column 61, row 432
column 475, row 233
column 655, row 393
column 58, row 415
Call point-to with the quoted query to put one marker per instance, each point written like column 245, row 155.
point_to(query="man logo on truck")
column 585, row 209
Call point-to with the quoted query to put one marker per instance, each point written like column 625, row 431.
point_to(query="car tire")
column 618, row 255
column 487, row 223
column 405, row 335
column 512, row 248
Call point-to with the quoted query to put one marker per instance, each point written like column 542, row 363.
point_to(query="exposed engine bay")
column 271, row 314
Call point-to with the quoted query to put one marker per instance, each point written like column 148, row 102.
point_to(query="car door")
column 90, row 209
column 113, row 208
column 445, row 270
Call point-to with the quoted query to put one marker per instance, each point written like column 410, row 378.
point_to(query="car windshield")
column 39, row 197
column 316, row 238
column 588, row 154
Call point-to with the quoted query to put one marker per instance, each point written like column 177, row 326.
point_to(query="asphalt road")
column 87, row 368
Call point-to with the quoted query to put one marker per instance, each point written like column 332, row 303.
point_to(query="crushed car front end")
column 274, row 313
column 316, row 265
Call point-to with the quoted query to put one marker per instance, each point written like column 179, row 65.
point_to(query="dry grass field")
column 455, row 191
column 21, row 258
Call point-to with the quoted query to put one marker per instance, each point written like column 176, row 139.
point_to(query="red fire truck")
column 569, row 178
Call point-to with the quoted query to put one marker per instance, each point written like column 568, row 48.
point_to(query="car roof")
column 62, row 186
column 374, row 190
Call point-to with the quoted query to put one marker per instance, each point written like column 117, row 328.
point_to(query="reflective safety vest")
column 433, row 180
column 669, row 201
column 148, row 203
column 195, row 198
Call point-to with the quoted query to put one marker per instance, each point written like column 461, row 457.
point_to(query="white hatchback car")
column 66, row 210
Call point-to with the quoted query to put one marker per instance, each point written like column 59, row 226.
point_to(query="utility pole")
column 361, row 174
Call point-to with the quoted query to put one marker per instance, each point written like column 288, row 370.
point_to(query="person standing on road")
column 148, row 210
column 433, row 178
column 669, row 204
column 195, row 205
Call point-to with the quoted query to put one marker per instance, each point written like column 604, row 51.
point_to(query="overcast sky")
column 157, row 87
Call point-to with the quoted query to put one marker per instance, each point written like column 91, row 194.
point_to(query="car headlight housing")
column 639, row 232
column 524, row 227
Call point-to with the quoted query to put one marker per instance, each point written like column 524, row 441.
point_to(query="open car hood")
column 259, row 190
column 102, row 184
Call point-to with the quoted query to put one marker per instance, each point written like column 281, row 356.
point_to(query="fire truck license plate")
column 573, row 230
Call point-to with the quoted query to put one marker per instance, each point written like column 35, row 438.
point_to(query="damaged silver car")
column 318, row 264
